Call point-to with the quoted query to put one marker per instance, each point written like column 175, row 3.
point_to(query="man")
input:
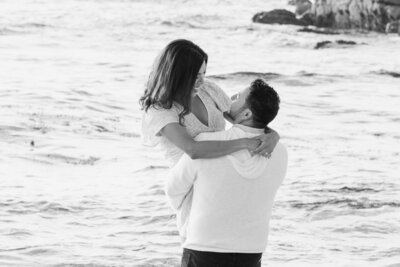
column 233, row 195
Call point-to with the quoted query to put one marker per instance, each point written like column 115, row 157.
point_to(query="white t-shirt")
column 232, row 195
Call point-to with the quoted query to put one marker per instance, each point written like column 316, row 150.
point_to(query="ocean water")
column 78, row 189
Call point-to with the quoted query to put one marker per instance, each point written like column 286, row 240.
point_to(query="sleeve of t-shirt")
column 221, row 99
column 154, row 120
column 283, row 163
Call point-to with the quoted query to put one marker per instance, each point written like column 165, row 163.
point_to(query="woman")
column 179, row 105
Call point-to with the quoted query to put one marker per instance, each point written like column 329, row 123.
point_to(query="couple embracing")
column 222, row 183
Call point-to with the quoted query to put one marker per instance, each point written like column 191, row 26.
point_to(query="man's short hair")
column 263, row 101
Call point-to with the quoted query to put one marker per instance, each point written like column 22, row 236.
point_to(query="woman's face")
column 200, row 76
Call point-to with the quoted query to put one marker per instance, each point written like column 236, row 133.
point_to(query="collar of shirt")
column 249, row 129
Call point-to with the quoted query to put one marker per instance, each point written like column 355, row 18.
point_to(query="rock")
column 343, row 42
column 322, row 44
column 389, row 2
column 323, row 15
column 393, row 27
column 303, row 7
column 359, row 14
column 307, row 19
column 375, row 15
column 277, row 16
column 338, row 43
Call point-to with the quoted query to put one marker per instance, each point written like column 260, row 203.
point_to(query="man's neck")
column 251, row 124
column 249, row 127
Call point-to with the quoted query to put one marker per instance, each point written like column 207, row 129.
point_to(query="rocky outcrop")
column 376, row 15
column 278, row 16
column 302, row 7
column 360, row 14
column 393, row 27
column 338, row 43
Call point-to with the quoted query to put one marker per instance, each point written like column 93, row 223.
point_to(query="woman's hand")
column 252, row 144
column 268, row 143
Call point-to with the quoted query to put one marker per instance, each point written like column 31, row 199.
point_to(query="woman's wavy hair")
column 173, row 76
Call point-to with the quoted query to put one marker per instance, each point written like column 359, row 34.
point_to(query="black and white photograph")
column 199, row 133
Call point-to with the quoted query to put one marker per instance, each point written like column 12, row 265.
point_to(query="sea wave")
column 353, row 203
column 245, row 75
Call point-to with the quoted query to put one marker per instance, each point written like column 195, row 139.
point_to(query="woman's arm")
column 178, row 135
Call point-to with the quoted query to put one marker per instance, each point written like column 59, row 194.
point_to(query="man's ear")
column 247, row 113
column 244, row 115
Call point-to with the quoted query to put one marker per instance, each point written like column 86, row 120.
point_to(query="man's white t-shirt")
column 232, row 195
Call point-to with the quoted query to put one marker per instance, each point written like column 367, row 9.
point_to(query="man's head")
column 256, row 106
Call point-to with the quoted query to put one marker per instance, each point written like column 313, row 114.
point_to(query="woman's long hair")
column 173, row 76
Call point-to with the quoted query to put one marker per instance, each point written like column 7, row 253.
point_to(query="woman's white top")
column 154, row 120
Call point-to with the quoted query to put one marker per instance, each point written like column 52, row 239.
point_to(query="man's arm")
column 180, row 180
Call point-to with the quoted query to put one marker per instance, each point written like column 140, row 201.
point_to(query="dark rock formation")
column 360, row 14
column 343, row 42
column 302, row 7
column 278, row 16
column 338, row 43
column 376, row 15
column 393, row 27
column 322, row 44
